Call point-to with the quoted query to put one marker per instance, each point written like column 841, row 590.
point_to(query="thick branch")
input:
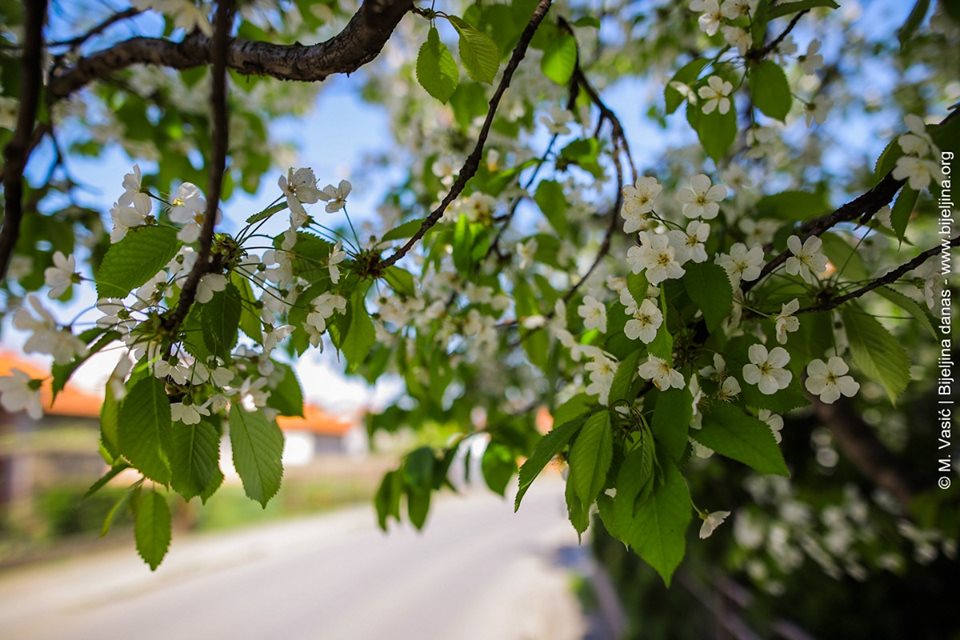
column 359, row 43
column 218, row 163
column 890, row 276
column 18, row 149
column 859, row 443
column 472, row 163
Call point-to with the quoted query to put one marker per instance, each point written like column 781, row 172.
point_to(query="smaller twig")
column 758, row 54
column 887, row 278
column 96, row 30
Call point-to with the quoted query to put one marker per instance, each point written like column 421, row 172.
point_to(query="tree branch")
column 218, row 163
column 18, row 149
column 887, row 278
column 472, row 163
column 359, row 43
column 97, row 29
column 862, row 207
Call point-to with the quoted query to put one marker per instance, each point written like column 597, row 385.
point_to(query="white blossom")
column 300, row 188
column 661, row 374
column 184, row 14
column 829, row 380
column 689, row 244
column 812, row 60
column 638, row 201
column 807, row 260
column 710, row 523
column 816, row 110
column 336, row 197
column 766, row 369
column 601, row 370
column 337, row 255
column 209, row 284
column 737, row 37
column 62, row 275
column 656, row 257
column 785, row 321
column 645, row 322
column 188, row 209
column 742, row 264
column 557, row 120
column 700, row 198
column 772, row 420
column 716, row 96
column 710, row 16
column 127, row 216
column 594, row 314
column 19, row 392
column 917, row 142
column 187, row 413
column 917, row 172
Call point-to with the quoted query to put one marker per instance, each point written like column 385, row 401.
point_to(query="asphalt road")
column 478, row 572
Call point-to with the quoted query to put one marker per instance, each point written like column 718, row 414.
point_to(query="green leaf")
column 220, row 321
column 144, row 429
column 789, row 8
column 846, row 259
column 634, row 479
column 405, row 230
column 687, row 74
column 195, row 459
column 142, row 253
column 287, row 398
column 560, row 59
column 401, row 281
column 110, row 425
column 920, row 313
column 732, row 433
column 151, row 526
column 387, row 498
column 360, row 334
column 623, row 379
column 887, row 159
column 553, row 203
column 111, row 473
column 877, row 353
column 478, row 52
column 257, row 448
column 913, row 21
column 770, row 90
column 590, row 458
column 548, row 446
column 578, row 512
column 118, row 505
column 437, row 71
column 716, row 131
column 709, row 287
column 671, row 421
column 662, row 344
column 657, row 531
column 418, row 468
column 902, row 208
column 793, row 205
column 576, row 406
column 498, row 465
column 418, row 506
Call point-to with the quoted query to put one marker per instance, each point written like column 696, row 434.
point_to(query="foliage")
column 523, row 262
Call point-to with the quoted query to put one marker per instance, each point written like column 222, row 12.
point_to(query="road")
column 478, row 572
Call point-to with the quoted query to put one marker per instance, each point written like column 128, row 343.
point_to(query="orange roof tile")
column 71, row 401
column 315, row 420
